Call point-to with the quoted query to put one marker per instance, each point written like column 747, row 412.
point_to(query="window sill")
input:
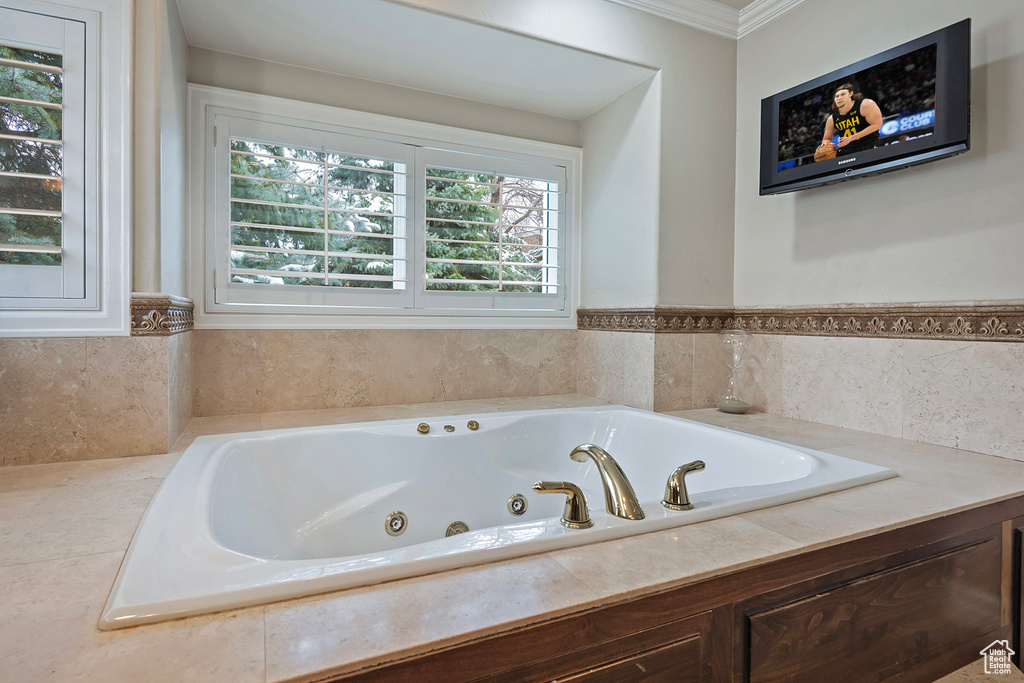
column 563, row 320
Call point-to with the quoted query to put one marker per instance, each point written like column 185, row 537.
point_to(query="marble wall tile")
column 710, row 373
column 180, row 373
column 759, row 379
column 76, row 399
column 968, row 395
column 673, row 372
column 43, row 400
column 763, row 372
column 617, row 366
column 500, row 363
column 254, row 371
column 847, row 382
column 300, row 370
column 229, row 376
column 127, row 394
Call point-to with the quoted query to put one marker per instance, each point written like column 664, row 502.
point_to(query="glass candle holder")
column 734, row 347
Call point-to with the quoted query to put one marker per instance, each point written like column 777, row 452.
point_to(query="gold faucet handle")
column 676, row 497
column 576, row 514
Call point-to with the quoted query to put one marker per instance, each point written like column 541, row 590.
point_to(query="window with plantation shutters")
column 327, row 220
column 492, row 228
column 308, row 217
column 490, row 232
column 43, row 222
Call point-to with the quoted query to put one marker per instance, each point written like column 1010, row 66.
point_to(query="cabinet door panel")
column 680, row 663
column 882, row 624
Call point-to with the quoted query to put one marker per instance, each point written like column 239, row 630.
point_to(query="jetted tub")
column 244, row 519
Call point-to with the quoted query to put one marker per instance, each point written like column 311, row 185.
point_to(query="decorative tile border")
column 984, row 321
column 160, row 315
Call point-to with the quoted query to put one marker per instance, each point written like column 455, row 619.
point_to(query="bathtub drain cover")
column 456, row 528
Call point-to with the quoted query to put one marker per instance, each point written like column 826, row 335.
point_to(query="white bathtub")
column 245, row 519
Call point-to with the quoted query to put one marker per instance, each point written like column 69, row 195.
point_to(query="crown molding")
column 761, row 12
column 705, row 15
column 714, row 17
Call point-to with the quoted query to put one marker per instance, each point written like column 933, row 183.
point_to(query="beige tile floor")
column 64, row 529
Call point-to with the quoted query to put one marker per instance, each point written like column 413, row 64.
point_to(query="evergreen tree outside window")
column 31, row 156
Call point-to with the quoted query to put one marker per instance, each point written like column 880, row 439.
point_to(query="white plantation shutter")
column 314, row 219
column 45, row 257
column 492, row 232
column 310, row 218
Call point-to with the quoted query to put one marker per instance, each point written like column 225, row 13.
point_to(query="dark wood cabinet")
column 906, row 605
column 882, row 624
column 1016, row 611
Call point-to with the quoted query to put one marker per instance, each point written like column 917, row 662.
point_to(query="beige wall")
column 207, row 67
column 622, row 153
column 696, row 138
column 173, row 146
column 159, row 125
column 946, row 231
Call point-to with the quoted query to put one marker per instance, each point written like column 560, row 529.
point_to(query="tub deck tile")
column 306, row 638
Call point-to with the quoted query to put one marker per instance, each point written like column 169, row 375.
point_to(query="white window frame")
column 94, row 280
column 209, row 105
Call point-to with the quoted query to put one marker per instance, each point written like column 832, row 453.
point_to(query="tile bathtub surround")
column 80, row 399
column 921, row 371
column 260, row 371
column 667, row 372
column 617, row 367
column 963, row 394
column 181, row 384
column 50, row 598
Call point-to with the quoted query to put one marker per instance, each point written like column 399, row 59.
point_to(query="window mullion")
column 501, row 232
column 327, row 223
column 417, row 189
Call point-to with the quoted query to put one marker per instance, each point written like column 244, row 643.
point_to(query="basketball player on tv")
column 855, row 119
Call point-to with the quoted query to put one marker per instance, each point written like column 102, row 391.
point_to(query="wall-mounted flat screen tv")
column 902, row 107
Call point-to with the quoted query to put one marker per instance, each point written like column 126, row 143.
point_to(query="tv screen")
column 905, row 106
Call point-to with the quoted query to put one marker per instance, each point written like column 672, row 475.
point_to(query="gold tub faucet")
column 576, row 514
column 676, row 497
column 619, row 498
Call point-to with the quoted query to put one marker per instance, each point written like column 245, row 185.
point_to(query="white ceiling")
column 405, row 46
